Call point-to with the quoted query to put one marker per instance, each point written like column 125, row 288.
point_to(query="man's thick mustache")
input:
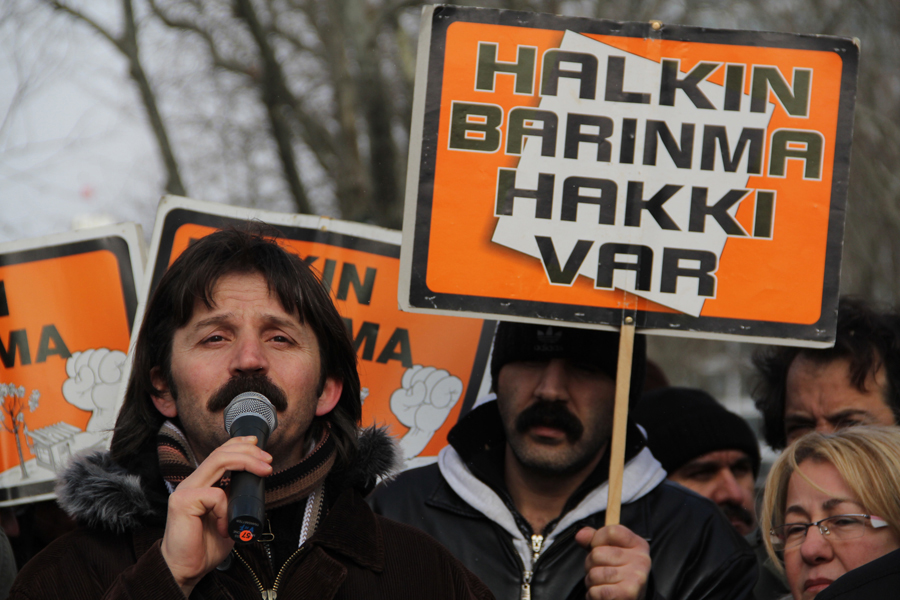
column 239, row 384
column 550, row 414
column 738, row 512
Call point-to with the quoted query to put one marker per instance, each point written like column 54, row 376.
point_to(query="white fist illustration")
column 93, row 384
column 423, row 404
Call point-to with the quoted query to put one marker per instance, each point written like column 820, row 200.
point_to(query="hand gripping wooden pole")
column 620, row 419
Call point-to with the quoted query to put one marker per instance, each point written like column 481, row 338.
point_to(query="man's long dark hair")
column 866, row 337
column 192, row 278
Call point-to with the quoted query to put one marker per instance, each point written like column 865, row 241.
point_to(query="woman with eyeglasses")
column 832, row 504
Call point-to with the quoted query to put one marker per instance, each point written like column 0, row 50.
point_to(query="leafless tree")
column 304, row 105
column 126, row 42
column 325, row 75
column 12, row 419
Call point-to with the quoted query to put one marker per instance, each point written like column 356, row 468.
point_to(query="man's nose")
column 553, row 382
column 816, row 548
column 825, row 426
column 727, row 489
column 249, row 356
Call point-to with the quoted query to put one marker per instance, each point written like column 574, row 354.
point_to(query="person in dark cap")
column 705, row 448
column 714, row 452
column 520, row 493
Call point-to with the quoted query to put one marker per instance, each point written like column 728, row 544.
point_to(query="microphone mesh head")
column 250, row 403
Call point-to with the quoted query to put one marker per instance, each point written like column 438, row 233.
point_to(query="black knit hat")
column 525, row 341
column 684, row 423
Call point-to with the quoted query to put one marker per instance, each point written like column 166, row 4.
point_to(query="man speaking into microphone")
column 235, row 313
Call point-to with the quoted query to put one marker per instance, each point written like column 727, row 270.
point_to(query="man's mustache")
column 737, row 512
column 239, row 384
column 550, row 414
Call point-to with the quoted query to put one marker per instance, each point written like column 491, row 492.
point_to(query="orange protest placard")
column 67, row 304
column 558, row 162
column 418, row 372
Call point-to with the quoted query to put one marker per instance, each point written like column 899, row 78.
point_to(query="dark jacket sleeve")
column 410, row 557
column 734, row 579
column 696, row 552
column 88, row 565
column 7, row 565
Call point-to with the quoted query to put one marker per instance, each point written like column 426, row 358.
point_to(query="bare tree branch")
column 276, row 97
column 127, row 45
column 193, row 27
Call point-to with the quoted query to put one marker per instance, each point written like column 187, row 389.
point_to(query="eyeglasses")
column 838, row 527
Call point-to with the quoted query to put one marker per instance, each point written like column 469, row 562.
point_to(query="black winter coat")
column 696, row 553
column 115, row 552
column 876, row 580
column 354, row 554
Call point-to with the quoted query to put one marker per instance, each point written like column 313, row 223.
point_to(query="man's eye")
column 848, row 423
column 798, row 430
column 741, row 470
column 214, row 338
column 699, row 475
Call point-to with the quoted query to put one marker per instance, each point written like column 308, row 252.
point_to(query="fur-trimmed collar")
column 99, row 493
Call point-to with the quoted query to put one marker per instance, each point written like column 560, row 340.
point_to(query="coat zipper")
column 537, row 543
column 271, row 594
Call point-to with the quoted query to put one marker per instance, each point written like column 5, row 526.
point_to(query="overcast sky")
column 73, row 144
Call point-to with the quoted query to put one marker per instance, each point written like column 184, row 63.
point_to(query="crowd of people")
column 515, row 505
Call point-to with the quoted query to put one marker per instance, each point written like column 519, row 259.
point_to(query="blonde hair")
column 867, row 459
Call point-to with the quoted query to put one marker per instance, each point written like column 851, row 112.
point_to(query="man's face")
column 821, row 397
column 247, row 333
column 557, row 414
column 726, row 478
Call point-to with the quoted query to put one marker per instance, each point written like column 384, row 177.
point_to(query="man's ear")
column 163, row 402
column 328, row 399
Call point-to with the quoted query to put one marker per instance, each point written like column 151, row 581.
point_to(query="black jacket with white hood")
column 462, row 502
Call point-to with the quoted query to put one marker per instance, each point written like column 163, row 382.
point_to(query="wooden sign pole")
column 620, row 419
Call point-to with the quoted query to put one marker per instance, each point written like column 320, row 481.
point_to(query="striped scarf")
column 177, row 461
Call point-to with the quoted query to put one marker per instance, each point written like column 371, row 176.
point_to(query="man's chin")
column 550, row 459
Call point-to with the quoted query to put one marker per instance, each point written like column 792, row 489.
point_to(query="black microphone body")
column 248, row 414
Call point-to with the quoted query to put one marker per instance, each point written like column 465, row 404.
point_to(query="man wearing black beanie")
column 713, row 452
column 704, row 447
column 520, row 494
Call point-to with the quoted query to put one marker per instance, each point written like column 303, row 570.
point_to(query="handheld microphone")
column 249, row 413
